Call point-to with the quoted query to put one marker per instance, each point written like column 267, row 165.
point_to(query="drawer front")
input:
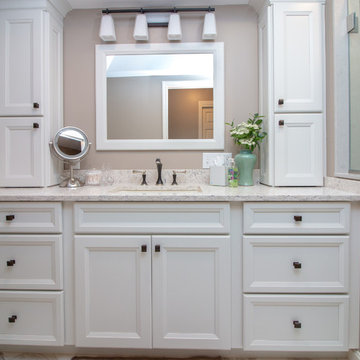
column 150, row 218
column 30, row 217
column 31, row 318
column 296, row 323
column 31, row 262
column 288, row 264
column 296, row 218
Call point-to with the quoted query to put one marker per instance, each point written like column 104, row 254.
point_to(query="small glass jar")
column 93, row 177
column 232, row 172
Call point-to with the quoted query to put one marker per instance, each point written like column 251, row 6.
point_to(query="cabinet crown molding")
column 62, row 6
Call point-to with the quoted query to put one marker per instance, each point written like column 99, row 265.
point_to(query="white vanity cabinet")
column 159, row 290
column 296, row 276
column 31, row 91
column 291, row 73
column 31, row 279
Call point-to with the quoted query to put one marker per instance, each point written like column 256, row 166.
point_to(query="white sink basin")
column 169, row 188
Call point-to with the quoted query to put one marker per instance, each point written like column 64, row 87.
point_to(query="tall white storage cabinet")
column 292, row 67
column 31, row 37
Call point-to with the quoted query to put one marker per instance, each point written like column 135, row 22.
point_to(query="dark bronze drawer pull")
column 297, row 324
column 10, row 263
column 297, row 218
column 157, row 248
column 12, row 318
column 297, row 265
column 281, row 122
column 36, row 105
column 143, row 248
column 281, row 102
column 36, row 125
column 10, row 217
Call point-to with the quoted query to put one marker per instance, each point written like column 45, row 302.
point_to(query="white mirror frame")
column 103, row 143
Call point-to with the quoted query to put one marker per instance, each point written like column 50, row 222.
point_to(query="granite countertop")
column 207, row 193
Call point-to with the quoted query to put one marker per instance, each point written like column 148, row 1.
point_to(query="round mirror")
column 70, row 145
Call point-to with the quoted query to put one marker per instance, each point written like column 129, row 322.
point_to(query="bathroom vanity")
column 253, row 269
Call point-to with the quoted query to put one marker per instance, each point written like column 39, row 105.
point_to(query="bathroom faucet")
column 159, row 167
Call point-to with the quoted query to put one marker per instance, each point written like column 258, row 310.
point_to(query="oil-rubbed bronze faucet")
column 159, row 168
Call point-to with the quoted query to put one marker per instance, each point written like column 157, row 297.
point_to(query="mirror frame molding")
column 103, row 143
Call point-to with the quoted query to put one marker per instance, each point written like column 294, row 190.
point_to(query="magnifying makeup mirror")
column 70, row 145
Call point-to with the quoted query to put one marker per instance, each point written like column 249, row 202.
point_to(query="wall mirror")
column 160, row 96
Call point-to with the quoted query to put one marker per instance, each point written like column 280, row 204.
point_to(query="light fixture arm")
column 157, row 10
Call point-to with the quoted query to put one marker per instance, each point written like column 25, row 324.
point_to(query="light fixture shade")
column 107, row 28
column 141, row 28
column 209, row 30
column 174, row 28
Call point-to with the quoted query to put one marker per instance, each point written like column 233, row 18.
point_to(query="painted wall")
column 237, row 28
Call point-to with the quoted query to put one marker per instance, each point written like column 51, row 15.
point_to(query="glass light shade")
column 141, row 28
column 107, row 28
column 174, row 28
column 209, row 30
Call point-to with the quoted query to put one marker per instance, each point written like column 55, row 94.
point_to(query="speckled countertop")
column 207, row 193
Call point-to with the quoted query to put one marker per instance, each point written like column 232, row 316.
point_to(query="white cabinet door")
column 113, row 291
column 298, row 150
column 191, row 292
column 21, row 62
column 21, row 152
column 298, row 57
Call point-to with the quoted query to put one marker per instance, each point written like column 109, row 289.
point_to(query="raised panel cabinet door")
column 21, row 152
column 191, row 292
column 298, row 150
column 21, row 61
column 113, row 291
column 298, row 57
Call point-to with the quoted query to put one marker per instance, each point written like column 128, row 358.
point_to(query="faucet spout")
column 159, row 168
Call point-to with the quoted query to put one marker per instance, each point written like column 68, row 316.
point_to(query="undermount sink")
column 129, row 187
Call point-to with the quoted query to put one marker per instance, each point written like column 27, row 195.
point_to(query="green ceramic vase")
column 245, row 162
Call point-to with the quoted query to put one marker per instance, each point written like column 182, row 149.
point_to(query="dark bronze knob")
column 143, row 248
column 10, row 263
column 157, row 248
column 10, row 217
column 281, row 102
column 36, row 105
column 297, row 265
column 297, row 324
column 281, row 122
column 36, row 125
column 297, row 218
column 12, row 318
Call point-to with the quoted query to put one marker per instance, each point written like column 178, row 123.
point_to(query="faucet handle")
column 143, row 173
column 175, row 172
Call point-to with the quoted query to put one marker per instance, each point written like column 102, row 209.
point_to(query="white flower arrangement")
column 248, row 134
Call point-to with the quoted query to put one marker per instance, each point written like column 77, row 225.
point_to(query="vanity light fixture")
column 174, row 25
column 174, row 28
column 141, row 28
column 107, row 28
column 209, row 30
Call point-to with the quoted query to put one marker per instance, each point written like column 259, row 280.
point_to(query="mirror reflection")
column 71, row 142
column 160, row 96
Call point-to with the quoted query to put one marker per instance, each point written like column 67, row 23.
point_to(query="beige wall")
column 237, row 28
column 330, row 125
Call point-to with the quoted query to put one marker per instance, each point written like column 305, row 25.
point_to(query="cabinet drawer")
column 150, row 218
column 296, row 323
column 296, row 218
column 31, row 318
column 311, row 264
column 31, row 262
column 30, row 217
